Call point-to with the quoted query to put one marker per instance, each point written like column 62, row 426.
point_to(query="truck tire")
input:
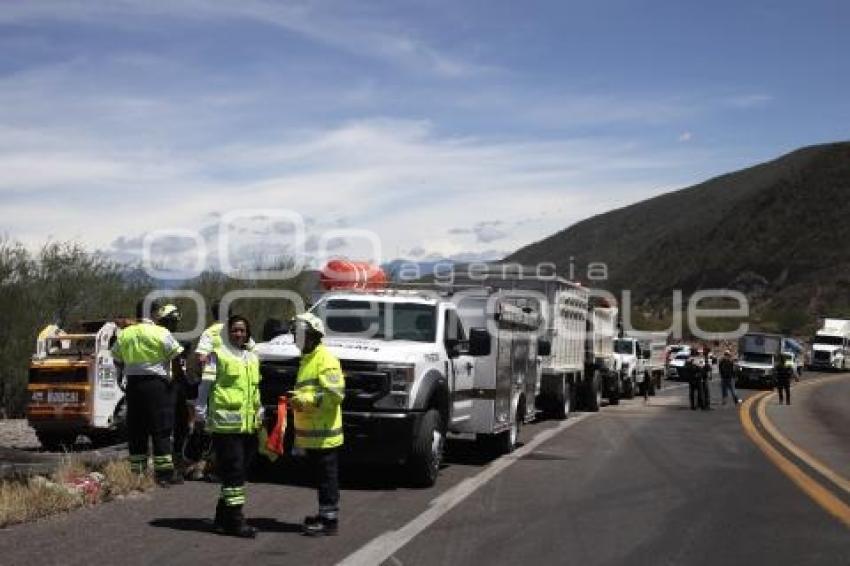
column 506, row 442
column 614, row 396
column 629, row 388
column 426, row 453
column 56, row 441
column 594, row 393
column 562, row 403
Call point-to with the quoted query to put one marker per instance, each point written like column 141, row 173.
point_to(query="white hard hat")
column 312, row 321
column 168, row 310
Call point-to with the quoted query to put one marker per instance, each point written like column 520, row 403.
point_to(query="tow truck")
column 73, row 386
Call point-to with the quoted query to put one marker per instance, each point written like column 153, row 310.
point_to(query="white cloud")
column 396, row 177
column 685, row 137
column 342, row 25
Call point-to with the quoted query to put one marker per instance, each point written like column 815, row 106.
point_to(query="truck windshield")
column 829, row 340
column 377, row 319
column 757, row 358
column 624, row 347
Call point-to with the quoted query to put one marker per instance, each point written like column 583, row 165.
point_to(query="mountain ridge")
column 776, row 231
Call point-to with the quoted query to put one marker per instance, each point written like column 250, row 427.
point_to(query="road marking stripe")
column 810, row 487
column 386, row 545
column 789, row 445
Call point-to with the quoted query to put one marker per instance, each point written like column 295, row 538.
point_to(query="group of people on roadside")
column 697, row 372
column 217, row 408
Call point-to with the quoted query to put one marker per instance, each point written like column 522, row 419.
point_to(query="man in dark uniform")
column 691, row 374
column 705, row 376
column 727, row 378
column 783, row 372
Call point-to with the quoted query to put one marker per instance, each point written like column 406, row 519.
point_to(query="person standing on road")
column 169, row 317
column 691, row 375
column 143, row 353
column 234, row 417
column 319, row 391
column 200, row 445
column 705, row 377
column 727, row 378
column 784, row 370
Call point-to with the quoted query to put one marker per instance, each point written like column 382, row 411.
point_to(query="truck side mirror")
column 544, row 347
column 479, row 342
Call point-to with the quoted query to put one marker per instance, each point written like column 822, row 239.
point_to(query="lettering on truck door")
column 461, row 367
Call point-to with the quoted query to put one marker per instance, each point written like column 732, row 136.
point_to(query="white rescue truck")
column 417, row 370
column 831, row 345
column 73, row 387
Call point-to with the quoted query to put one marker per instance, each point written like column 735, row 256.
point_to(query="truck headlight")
column 401, row 376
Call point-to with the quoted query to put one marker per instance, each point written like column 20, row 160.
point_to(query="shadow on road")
column 194, row 524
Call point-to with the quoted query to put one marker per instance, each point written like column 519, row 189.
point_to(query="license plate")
column 63, row 397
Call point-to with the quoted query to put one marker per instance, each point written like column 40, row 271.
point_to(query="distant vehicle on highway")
column 676, row 363
column 831, row 345
column 757, row 353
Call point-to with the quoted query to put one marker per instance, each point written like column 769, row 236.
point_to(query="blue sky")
column 448, row 128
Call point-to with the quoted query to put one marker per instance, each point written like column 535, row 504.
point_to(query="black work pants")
column 696, row 393
column 705, row 401
column 150, row 417
column 181, row 418
column 784, row 386
column 324, row 464
column 233, row 454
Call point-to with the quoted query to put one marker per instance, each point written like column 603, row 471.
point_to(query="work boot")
column 234, row 523
column 168, row 478
column 220, row 513
column 322, row 527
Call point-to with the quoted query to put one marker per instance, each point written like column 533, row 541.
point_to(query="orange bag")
column 275, row 440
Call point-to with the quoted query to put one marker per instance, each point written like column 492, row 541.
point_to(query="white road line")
column 386, row 545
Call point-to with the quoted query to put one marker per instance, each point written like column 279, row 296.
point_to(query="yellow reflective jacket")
column 235, row 396
column 320, row 386
column 146, row 349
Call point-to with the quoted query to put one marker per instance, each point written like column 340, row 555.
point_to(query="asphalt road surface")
column 639, row 483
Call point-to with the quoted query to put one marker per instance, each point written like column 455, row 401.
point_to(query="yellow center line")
column 789, row 445
column 819, row 494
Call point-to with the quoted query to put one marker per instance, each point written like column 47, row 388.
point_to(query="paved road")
column 635, row 484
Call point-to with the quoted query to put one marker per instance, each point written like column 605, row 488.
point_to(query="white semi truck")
column 418, row 367
column 639, row 357
column 831, row 345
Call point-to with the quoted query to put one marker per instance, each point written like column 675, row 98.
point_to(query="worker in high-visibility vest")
column 170, row 316
column 143, row 352
column 319, row 391
column 199, row 447
column 234, row 417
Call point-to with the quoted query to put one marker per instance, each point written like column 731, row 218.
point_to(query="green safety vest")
column 146, row 349
column 235, row 395
column 321, row 387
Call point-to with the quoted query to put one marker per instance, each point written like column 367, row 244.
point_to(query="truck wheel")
column 56, row 441
column 594, row 393
column 504, row 443
column 426, row 454
column 614, row 396
column 563, row 403
column 629, row 389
